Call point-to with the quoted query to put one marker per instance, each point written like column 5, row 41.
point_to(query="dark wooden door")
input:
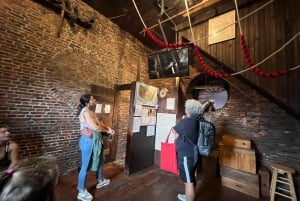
column 140, row 148
column 105, row 98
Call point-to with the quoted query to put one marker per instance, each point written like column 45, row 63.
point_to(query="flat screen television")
column 174, row 63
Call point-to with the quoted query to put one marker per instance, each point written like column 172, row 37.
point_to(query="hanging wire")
column 242, row 18
column 188, row 14
column 137, row 10
column 238, row 16
column 238, row 21
column 294, row 68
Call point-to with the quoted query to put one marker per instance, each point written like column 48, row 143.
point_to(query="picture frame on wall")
column 146, row 95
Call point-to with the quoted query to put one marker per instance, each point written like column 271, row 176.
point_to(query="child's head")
column 31, row 179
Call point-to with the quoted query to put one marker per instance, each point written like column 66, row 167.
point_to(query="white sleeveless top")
column 83, row 123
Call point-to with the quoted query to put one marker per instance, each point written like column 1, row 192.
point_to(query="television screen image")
column 174, row 63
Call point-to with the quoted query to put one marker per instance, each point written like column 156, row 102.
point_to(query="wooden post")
column 61, row 21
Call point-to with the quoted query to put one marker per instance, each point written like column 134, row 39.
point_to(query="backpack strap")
column 189, row 140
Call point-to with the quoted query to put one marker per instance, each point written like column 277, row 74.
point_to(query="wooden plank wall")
column 265, row 31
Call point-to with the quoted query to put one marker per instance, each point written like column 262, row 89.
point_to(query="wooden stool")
column 286, row 189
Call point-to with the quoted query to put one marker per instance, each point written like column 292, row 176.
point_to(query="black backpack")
column 206, row 139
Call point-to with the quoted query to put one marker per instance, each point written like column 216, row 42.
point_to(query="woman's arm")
column 106, row 128
column 176, row 134
column 95, row 124
column 13, row 153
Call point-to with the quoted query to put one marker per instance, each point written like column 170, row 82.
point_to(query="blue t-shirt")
column 188, row 127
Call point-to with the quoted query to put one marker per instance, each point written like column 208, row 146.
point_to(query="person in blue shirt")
column 188, row 127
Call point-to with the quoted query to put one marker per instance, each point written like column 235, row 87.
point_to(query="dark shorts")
column 186, row 169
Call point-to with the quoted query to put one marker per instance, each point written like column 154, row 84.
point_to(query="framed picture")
column 146, row 95
column 221, row 28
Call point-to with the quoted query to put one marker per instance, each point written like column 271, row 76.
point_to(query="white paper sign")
column 98, row 108
column 136, row 124
column 138, row 110
column 170, row 104
column 161, row 135
column 165, row 122
column 107, row 108
column 166, row 119
column 150, row 130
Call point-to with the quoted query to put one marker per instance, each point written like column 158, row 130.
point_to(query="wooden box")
column 243, row 182
column 241, row 187
column 243, row 177
column 237, row 158
column 233, row 141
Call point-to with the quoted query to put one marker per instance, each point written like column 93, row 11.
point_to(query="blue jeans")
column 85, row 145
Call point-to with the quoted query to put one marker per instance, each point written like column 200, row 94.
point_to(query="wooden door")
column 140, row 146
column 105, row 99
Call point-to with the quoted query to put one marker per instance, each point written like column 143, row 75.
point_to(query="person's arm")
column 176, row 134
column 106, row 128
column 13, row 153
column 98, row 126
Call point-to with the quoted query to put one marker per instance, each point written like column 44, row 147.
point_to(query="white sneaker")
column 84, row 195
column 181, row 197
column 102, row 183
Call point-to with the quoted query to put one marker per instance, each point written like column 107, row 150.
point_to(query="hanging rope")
column 242, row 18
column 190, row 24
column 248, row 59
column 238, row 16
column 137, row 10
column 242, row 42
column 196, row 50
column 164, row 44
column 206, row 68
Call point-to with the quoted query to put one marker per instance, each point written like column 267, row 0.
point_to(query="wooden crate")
column 244, row 177
column 237, row 185
column 233, row 141
column 237, row 158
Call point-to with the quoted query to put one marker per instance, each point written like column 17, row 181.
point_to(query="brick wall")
column 273, row 132
column 42, row 76
column 122, row 127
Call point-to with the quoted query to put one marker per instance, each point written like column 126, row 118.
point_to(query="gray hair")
column 194, row 107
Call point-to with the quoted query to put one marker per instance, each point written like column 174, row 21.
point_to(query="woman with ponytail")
column 91, row 146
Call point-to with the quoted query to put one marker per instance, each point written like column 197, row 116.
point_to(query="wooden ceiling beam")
column 199, row 6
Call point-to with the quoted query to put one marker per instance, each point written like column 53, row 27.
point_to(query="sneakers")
column 102, row 183
column 181, row 197
column 84, row 195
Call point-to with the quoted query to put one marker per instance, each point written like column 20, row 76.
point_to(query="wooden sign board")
column 221, row 28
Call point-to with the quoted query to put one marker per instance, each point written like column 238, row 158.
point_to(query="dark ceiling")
column 124, row 14
column 163, row 17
